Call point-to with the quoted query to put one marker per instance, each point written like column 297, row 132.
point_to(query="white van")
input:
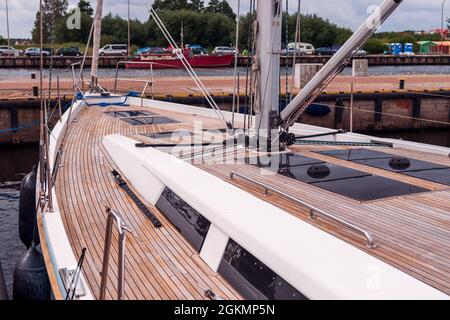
column 114, row 50
column 302, row 48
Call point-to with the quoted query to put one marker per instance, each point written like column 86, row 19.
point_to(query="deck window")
column 252, row 278
column 192, row 225
column 411, row 167
column 143, row 121
column 348, row 182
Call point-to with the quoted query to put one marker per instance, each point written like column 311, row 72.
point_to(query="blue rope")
column 30, row 124
column 78, row 96
column 27, row 125
column 120, row 104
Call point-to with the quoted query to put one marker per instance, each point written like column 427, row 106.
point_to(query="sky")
column 412, row 14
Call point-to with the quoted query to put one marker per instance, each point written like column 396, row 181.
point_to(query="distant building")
column 440, row 47
column 21, row 42
column 425, row 46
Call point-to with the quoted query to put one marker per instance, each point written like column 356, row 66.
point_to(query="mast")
column 267, row 59
column 96, row 43
column 7, row 22
column 129, row 30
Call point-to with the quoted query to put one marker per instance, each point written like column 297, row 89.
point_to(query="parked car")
column 69, row 52
column 7, row 51
column 35, row 52
column 326, row 51
column 360, row 53
column 291, row 51
column 224, row 50
column 114, row 50
column 152, row 50
column 197, row 49
column 302, row 48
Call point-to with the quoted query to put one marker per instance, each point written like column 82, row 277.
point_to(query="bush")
column 375, row 46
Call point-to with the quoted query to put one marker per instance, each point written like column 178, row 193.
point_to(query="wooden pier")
column 111, row 62
column 379, row 104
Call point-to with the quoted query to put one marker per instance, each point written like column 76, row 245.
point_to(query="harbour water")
column 8, row 74
column 15, row 163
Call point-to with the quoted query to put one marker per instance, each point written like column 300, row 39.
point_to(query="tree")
column 197, row 5
column 374, row 46
column 206, row 29
column 223, row 7
column 170, row 5
column 64, row 35
column 2, row 40
column 53, row 12
column 85, row 7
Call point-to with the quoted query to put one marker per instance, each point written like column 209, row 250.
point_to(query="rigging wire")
column 188, row 67
column 297, row 42
column 391, row 115
column 235, row 89
column 249, row 53
column 287, row 52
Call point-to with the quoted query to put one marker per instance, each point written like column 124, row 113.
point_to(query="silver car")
column 36, row 52
column 7, row 51
column 224, row 50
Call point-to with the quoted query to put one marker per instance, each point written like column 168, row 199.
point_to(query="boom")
column 309, row 93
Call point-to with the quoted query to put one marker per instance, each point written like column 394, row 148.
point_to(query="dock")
column 379, row 104
column 111, row 62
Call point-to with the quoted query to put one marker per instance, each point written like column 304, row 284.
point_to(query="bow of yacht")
column 169, row 201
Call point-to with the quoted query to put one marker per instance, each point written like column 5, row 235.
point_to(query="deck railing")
column 313, row 211
column 148, row 83
column 123, row 229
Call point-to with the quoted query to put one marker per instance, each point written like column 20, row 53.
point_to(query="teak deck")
column 412, row 232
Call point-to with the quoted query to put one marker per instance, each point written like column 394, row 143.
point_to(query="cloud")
column 412, row 14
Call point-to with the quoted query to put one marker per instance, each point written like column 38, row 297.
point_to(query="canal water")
column 8, row 74
column 15, row 163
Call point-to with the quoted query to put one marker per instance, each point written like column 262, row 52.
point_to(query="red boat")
column 171, row 60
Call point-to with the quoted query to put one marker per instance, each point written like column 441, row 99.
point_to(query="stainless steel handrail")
column 313, row 211
column 74, row 80
column 116, row 79
column 122, row 228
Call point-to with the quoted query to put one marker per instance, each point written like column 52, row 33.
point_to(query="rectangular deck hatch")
column 394, row 164
column 355, row 154
column 322, row 172
column 171, row 134
column 441, row 176
column 424, row 170
column 351, row 183
column 129, row 113
column 369, row 188
column 142, row 121
column 285, row 160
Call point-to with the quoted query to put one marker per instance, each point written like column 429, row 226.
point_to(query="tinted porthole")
column 192, row 225
column 252, row 278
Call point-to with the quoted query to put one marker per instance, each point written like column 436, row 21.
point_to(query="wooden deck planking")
column 412, row 231
column 407, row 239
column 163, row 261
